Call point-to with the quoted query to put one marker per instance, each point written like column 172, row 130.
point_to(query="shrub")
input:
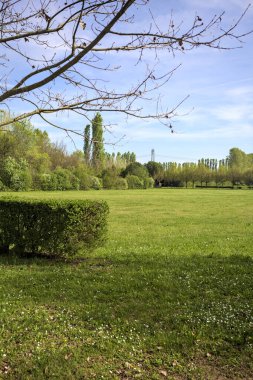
column 58, row 228
column 120, row 184
column 2, row 187
column 75, row 182
column 148, row 183
column 62, row 178
column 112, row 181
column 84, row 178
column 48, row 182
column 16, row 175
column 108, row 181
column 95, row 183
column 134, row 182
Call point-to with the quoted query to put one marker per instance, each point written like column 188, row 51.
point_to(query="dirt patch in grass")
column 214, row 369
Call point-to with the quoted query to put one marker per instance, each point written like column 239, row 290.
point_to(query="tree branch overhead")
column 65, row 45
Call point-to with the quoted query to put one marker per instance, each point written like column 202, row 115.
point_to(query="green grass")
column 169, row 296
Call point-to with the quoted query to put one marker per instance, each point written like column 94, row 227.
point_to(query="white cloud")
column 233, row 113
column 241, row 91
column 217, row 4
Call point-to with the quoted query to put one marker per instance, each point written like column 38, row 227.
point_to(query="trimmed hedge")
column 49, row 227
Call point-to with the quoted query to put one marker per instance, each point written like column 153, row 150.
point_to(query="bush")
column 148, row 183
column 48, row 182
column 60, row 179
column 114, row 182
column 16, row 175
column 108, row 181
column 2, row 187
column 120, row 184
column 84, row 178
column 75, row 182
column 58, row 228
column 134, row 182
column 65, row 180
column 95, row 183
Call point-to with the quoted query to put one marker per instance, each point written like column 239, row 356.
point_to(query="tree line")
column 235, row 170
column 30, row 161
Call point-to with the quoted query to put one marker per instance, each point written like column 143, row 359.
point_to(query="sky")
column 218, row 112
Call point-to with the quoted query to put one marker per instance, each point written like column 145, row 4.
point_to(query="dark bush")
column 137, row 169
column 57, row 228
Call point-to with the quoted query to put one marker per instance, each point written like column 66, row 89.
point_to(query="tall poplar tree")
column 87, row 144
column 97, row 142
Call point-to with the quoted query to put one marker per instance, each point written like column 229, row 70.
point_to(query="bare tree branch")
column 66, row 44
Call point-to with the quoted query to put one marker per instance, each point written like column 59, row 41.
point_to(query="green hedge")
column 58, row 228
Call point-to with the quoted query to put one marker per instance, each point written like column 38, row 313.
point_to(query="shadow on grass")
column 186, row 305
column 13, row 258
column 149, row 289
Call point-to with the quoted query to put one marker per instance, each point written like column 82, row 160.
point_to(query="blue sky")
column 218, row 114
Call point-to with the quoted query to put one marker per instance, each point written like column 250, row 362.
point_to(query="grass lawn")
column 170, row 296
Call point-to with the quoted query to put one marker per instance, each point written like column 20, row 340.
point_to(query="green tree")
column 74, row 159
column 155, row 169
column 172, row 173
column 97, row 142
column 248, row 177
column 109, row 177
column 136, row 169
column 250, row 159
column 39, row 164
column 188, row 173
column 235, row 175
column 84, row 177
column 58, row 155
column 237, row 158
column 221, row 175
column 7, row 145
column 16, row 175
column 87, row 145
column 202, row 173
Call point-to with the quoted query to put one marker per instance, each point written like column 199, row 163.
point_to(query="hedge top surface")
column 51, row 202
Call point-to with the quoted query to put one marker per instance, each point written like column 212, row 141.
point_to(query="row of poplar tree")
column 235, row 170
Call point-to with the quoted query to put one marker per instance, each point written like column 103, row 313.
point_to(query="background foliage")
column 30, row 161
